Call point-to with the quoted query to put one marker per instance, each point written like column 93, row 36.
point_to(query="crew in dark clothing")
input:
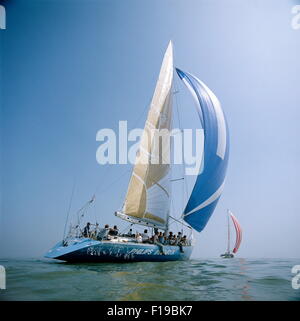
column 114, row 231
column 86, row 230
column 170, row 237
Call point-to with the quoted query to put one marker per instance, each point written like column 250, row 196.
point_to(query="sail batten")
column 148, row 195
column 210, row 180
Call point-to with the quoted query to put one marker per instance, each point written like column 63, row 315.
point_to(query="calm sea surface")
column 203, row 279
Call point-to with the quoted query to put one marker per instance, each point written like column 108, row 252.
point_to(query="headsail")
column 210, row 181
column 148, row 196
column 238, row 230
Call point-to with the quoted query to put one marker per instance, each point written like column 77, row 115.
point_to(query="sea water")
column 202, row 279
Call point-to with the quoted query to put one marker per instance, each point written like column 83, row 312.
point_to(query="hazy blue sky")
column 70, row 68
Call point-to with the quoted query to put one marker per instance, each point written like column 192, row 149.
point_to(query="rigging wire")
column 115, row 181
column 102, row 191
column 69, row 208
column 83, row 209
column 126, row 228
column 134, row 125
column 94, row 211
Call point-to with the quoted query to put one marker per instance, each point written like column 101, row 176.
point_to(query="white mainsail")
column 148, row 196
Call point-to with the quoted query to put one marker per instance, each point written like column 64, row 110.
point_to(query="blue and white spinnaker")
column 210, row 181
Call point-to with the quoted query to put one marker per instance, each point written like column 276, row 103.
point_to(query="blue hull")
column 87, row 250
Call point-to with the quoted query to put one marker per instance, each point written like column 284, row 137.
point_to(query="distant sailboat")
column 238, row 240
column 147, row 202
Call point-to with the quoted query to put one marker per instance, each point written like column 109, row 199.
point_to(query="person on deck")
column 171, row 240
column 145, row 236
column 180, row 243
column 94, row 232
column 170, row 237
column 114, row 231
column 139, row 238
column 155, row 237
column 86, row 230
column 102, row 234
column 179, row 236
column 175, row 240
column 158, row 243
column 161, row 238
column 165, row 238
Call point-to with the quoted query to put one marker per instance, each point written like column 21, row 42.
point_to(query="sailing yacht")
column 238, row 240
column 147, row 202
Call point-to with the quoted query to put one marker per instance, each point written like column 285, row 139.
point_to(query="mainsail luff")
column 148, row 194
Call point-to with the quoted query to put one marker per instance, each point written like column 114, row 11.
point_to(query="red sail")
column 238, row 230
